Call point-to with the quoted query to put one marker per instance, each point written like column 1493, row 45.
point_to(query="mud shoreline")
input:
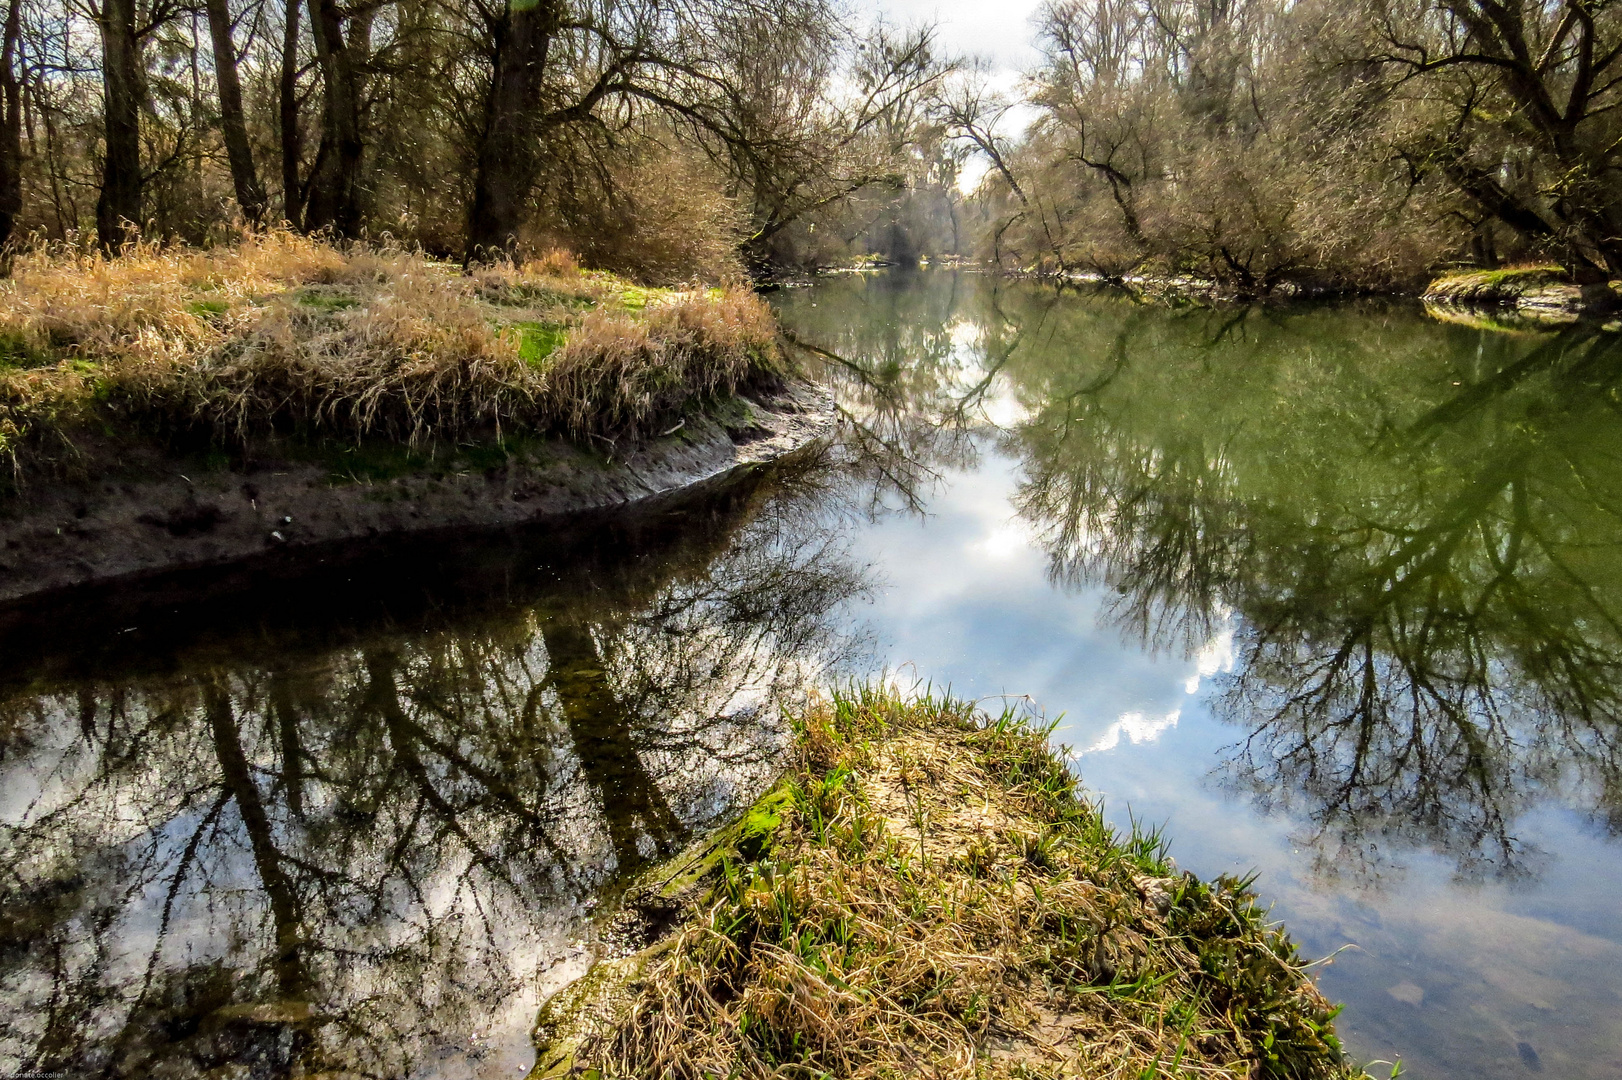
column 58, row 535
column 1493, row 300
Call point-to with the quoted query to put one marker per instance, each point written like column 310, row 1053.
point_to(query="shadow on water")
column 339, row 817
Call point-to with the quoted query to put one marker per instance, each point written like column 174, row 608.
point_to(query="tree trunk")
column 605, row 744
column 122, row 90
column 292, row 145
column 509, row 154
column 335, row 187
column 292, row 974
column 250, row 195
column 11, row 130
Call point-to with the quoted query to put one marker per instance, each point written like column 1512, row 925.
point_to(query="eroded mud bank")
column 145, row 517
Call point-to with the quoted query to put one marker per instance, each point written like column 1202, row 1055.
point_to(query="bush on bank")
column 282, row 334
column 928, row 893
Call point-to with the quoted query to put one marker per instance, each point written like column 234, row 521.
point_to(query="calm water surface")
column 1333, row 594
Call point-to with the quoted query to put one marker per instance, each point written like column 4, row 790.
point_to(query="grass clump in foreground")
column 935, row 898
column 285, row 335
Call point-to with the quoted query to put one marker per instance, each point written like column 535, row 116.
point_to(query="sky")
column 997, row 31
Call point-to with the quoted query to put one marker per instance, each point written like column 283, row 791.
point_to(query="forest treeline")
column 1334, row 143
column 659, row 137
column 1255, row 143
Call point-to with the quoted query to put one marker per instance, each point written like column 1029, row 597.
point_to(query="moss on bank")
column 283, row 335
column 1504, row 281
column 1520, row 298
column 926, row 892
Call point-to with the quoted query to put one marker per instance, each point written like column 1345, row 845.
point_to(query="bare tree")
column 1531, row 133
column 287, row 115
column 11, row 125
column 123, row 94
column 250, row 193
column 334, row 200
column 521, row 37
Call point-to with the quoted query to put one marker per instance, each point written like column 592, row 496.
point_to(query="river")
column 1331, row 594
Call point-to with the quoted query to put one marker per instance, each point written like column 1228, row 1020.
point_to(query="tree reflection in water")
column 907, row 393
column 344, row 833
column 335, row 818
column 1426, row 607
column 1412, row 529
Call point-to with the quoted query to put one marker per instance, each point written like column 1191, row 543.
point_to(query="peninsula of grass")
column 927, row 893
column 284, row 337
column 1522, row 297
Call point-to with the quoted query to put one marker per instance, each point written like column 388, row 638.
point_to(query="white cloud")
column 1137, row 728
column 1215, row 656
column 1006, row 540
column 965, row 335
column 999, row 32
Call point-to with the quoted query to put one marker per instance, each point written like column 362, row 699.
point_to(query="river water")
column 1331, row 594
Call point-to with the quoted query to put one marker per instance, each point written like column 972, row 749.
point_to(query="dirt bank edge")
column 1523, row 298
column 65, row 535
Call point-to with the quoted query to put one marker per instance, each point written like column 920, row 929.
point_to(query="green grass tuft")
column 208, row 309
column 18, row 351
column 1543, row 274
column 538, row 340
column 327, row 300
column 938, row 898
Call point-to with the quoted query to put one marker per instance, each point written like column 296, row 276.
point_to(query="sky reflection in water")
column 352, row 818
column 1451, row 974
column 1333, row 594
column 1390, row 549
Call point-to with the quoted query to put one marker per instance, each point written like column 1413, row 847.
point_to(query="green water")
column 1334, row 593
column 1417, row 526
column 1352, row 584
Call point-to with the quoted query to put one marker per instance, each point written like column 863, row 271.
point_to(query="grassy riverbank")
column 284, row 336
column 1522, row 297
column 927, row 892
column 1514, row 298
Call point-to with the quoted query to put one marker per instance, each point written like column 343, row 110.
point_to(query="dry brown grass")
column 287, row 334
column 616, row 369
column 938, row 902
